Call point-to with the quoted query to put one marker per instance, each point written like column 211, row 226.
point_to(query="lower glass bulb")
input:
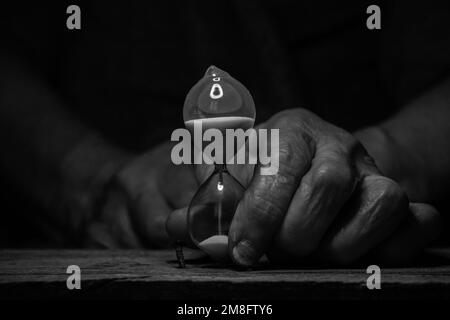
column 211, row 211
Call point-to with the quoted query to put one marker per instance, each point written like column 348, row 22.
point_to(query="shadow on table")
column 431, row 258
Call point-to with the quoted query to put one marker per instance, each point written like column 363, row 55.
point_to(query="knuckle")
column 293, row 135
column 286, row 118
column 391, row 192
column 349, row 143
column 291, row 165
column 283, row 119
column 335, row 176
column 287, row 156
column 265, row 211
column 326, row 174
column 288, row 175
column 431, row 219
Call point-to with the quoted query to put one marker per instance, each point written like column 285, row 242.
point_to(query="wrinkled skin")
column 328, row 198
column 328, row 201
column 139, row 199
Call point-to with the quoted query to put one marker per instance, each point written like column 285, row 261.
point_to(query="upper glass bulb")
column 218, row 94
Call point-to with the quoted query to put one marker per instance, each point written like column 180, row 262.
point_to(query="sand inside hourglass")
column 216, row 247
column 221, row 123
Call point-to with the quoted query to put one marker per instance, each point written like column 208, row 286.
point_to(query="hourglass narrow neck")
column 218, row 168
column 221, row 170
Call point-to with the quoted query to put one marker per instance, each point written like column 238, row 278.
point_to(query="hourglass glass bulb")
column 217, row 101
column 218, row 94
column 211, row 211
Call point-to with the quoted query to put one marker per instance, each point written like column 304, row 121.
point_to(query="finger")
column 264, row 204
column 321, row 194
column 178, row 185
column 117, row 219
column 177, row 227
column 149, row 215
column 372, row 214
column 98, row 236
column 113, row 228
column 421, row 227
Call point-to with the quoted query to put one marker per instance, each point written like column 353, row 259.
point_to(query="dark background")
column 127, row 71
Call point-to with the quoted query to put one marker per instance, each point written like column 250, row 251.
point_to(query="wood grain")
column 132, row 274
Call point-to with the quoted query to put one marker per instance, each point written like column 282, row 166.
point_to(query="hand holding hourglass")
column 220, row 102
column 328, row 201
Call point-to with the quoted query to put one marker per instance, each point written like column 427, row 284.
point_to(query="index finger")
column 266, row 200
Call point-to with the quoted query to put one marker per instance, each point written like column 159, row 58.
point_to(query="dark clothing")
column 129, row 68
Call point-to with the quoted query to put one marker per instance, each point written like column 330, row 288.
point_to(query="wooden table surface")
column 154, row 275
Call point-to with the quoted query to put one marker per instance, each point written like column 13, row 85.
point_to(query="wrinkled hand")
column 328, row 201
column 135, row 204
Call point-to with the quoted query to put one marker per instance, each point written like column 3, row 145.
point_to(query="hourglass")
column 221, row 102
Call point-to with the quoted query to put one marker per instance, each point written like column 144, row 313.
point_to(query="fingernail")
column 244, row 254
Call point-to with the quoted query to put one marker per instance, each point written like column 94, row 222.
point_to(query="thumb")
column 421, row 227
column 177, row 227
